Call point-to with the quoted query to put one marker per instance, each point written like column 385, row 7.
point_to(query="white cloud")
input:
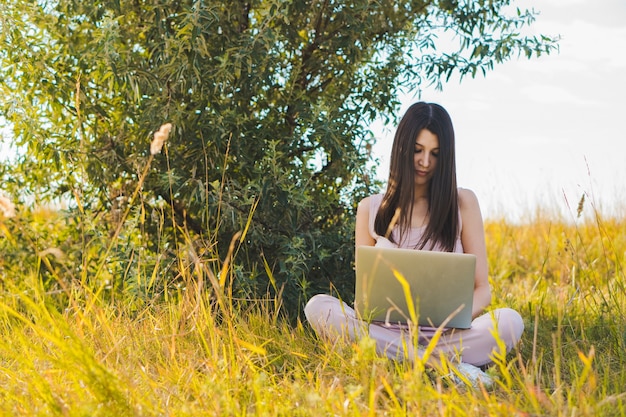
column 551, row 94
column 597, row 44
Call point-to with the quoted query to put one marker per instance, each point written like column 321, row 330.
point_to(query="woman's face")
column 426, row 154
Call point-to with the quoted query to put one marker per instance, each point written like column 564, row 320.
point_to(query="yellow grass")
column 76, row 353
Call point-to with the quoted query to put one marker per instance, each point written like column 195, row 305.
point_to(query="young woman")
column 423, row 209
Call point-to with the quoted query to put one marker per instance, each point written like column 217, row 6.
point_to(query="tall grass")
column 201, row 355
column 77, row 351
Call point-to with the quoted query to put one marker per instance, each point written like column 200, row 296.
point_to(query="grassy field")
column 195, row 356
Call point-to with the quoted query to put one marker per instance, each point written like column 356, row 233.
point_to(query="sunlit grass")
column 76, row 351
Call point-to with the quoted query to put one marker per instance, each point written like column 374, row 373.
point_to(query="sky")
column 541, row 133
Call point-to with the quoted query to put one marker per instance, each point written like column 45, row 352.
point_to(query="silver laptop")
column 402, row 285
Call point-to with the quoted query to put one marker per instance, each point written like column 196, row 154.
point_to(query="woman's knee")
column 332, row 318
column 504, row 323
column 319, row 306
column 510, row 326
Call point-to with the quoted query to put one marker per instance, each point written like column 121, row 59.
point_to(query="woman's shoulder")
column 364, row 205
column 364, row 234
column 467, row 196
column 468, row 202
column 367, row 202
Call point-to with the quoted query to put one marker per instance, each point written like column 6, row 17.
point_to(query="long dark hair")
column 443, row 209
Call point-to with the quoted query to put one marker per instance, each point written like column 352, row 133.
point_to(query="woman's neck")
column 421, row 193
column 419, row 212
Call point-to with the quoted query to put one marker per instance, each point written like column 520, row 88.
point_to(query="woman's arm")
column 473, row 240
column 362, row 235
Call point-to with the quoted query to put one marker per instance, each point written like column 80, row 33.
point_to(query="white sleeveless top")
column 415, row 233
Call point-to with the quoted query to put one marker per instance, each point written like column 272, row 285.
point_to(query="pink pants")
column 334, row 319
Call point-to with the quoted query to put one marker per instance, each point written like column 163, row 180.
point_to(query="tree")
column 270, row 102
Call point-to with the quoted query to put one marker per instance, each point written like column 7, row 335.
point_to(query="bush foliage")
column 270, row 102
